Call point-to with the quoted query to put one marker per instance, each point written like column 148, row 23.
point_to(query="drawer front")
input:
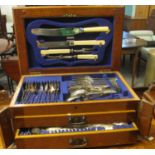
column 57, row 108
column 78, row 140
column 74, row 119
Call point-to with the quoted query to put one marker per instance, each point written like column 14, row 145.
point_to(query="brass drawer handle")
column 76, row 120
column 78, row 142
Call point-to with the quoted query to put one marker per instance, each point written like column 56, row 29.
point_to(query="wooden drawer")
column 71, row 119
column 63, row 107
column 78, row 139
column 79, row 107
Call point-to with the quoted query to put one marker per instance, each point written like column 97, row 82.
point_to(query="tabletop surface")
column 133, row 43
column 126, row 35
column 130, row 41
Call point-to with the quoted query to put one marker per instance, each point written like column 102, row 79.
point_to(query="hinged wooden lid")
column 26, row 15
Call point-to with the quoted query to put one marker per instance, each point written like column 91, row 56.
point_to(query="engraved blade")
column 53, row 44
column 56, row 32
column 46, row 32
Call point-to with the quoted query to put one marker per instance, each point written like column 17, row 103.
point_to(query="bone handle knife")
column 97, row 29
column 87, row 56
column 55, row 51
column 88, row 42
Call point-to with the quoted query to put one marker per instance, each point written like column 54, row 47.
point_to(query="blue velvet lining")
column 37, row 61
column 64, row 81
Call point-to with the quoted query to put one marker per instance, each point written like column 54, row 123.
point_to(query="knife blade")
column 68, row 43
column 64, row 51
column 68, row 31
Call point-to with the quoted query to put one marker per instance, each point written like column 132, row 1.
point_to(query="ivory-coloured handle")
column 55, row 51
column 89, row 42
column 87, row 56
column 97, row 29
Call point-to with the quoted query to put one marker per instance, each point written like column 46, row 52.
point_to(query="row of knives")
column 60, row 50
column 86, row 128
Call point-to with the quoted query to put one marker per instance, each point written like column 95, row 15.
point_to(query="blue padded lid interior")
column 104, row 52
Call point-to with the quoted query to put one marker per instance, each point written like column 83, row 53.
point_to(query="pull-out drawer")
column 84, row 139
column 64, row 108
column 74, row 119
column 31, row 98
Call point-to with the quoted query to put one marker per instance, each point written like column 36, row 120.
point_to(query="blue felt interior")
column 104, row 52
column 64, row 82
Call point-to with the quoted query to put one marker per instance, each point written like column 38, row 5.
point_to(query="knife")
column 68, row 43
column 64, row 51
column 79, row 56
column 68, row 31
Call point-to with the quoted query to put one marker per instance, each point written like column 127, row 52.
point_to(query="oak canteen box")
column 71, row 94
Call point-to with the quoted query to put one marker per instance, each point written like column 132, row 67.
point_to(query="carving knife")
column 79, row 56
column 64, row 51
column 68, row 31
column 68, row 43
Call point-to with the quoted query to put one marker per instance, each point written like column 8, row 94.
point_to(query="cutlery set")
column 88, row 88
column 39, row 92
column 85, row 128
column 64, row 50
column 79, row 88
